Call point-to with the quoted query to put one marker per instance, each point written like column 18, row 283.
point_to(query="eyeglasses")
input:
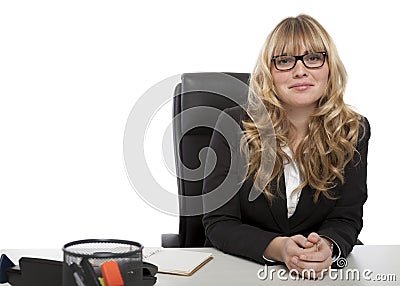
column 310, row 60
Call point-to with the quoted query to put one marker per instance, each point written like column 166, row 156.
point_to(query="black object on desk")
column 34, row 272
column 5, row 263
column 44, row 272
column 91, row 278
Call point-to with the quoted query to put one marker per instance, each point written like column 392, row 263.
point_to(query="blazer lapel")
column 278, row 205
column 305, row 207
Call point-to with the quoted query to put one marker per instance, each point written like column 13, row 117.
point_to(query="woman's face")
column 300, row 87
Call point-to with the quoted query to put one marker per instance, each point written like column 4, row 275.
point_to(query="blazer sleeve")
column 223, row 225
column 345, row 222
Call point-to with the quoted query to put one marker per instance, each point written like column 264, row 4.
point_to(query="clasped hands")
column 309, row 256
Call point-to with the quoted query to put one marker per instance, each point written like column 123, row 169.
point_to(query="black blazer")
column 245, row 228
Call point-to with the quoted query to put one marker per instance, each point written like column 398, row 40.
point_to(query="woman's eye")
column 314, row 58
column 285, row 61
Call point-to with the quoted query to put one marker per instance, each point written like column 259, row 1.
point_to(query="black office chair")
column 216, row 90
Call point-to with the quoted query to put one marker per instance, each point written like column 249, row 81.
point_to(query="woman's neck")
column 300, row 118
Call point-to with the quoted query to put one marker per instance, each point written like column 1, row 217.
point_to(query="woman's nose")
column 299, row 69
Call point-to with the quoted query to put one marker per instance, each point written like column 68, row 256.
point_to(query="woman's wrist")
column 274, row 249
column 329, row 243
column 336, row 251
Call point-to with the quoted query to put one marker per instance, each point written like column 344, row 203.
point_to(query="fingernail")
column 295, row 260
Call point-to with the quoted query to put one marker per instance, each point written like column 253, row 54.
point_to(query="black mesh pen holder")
column 97, row 262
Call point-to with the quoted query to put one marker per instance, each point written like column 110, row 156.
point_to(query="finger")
column 293, row 268
column 323, row 252
column 308, row 273
column 302, row 241
column 314, row 256
column 313, row 237
column 307, row 250
column 315, row 266
column 300, row 272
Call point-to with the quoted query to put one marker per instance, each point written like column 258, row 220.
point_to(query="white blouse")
column 293, row 179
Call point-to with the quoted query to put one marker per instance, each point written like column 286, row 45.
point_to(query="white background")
column 71, row 71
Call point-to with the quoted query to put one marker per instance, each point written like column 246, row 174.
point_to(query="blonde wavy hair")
column 333, row 128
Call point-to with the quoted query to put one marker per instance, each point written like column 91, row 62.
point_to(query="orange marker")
column 111, row 274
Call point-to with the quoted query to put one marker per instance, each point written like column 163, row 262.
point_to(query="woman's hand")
column 309, row 256
column 314, row 261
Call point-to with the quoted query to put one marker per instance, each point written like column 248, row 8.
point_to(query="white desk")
column 229, row 270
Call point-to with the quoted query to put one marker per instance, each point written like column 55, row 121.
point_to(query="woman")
column 311, row 209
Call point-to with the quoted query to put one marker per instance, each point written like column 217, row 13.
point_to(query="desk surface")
column 375, row 265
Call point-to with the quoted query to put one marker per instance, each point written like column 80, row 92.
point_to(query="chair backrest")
column 217, row 90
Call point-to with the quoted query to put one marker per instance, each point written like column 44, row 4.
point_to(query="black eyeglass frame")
column 301, row 58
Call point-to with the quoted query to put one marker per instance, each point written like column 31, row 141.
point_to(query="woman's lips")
column 301, row 86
